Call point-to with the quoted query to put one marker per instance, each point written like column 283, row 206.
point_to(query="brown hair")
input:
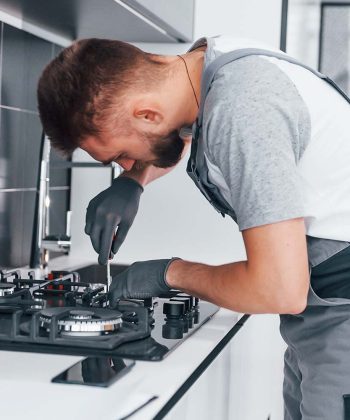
column 79, row 90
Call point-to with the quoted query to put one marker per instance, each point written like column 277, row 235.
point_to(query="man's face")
column 136, row 150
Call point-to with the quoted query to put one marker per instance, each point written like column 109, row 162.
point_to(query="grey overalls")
column 317, row 360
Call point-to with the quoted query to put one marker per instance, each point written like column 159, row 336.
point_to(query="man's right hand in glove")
column 114, row 207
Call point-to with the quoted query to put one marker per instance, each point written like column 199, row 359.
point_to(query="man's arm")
column 274, row 279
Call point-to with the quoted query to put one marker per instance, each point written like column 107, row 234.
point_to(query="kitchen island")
column 27, row 391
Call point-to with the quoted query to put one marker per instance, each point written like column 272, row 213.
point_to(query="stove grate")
column 128, row 332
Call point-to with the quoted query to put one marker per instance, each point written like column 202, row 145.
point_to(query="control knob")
column 185, row 300
column 194, row 300
column 173, row 309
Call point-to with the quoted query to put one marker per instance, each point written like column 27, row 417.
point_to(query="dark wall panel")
column 16, row 220
column 16, row 223
column 24, row 57
column 19, row 148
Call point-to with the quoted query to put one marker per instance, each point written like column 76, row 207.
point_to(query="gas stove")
column 64, row 314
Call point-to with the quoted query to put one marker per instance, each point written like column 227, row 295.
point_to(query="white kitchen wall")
column 254, row 19
column 175, row 220
column 303, row 30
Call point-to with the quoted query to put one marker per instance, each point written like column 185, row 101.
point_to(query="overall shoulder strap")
column 226, row 58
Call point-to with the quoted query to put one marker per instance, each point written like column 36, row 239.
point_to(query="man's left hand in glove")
column 141, row 280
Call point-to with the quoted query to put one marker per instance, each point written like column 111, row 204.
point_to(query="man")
column 270, row 149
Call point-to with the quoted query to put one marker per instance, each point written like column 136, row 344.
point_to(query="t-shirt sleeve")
column 256, row 131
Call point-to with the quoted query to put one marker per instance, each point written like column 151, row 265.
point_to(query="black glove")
column 114, row 207
column 141, row 280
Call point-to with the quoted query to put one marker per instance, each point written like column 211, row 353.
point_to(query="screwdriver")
column 109, row 280
column 110, row 257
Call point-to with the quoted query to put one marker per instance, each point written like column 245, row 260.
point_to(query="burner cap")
column 80, row 323
column 80, row 315
column 6, row 288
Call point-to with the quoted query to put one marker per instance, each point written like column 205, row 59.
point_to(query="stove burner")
column 6, row 289
column 65, row 315
column 82, row 323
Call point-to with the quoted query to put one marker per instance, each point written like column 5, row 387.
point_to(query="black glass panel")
column 16, row 221
column 27, row 225
column 16, row 224
column 58, row 212
column 59, row 177
column 58, row 209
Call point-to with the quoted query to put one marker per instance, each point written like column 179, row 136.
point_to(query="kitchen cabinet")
column 244, row 382
column 29, row 374
column 175, row 16
column 126, row 20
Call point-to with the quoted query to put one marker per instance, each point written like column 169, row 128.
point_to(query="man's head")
column 114, row 101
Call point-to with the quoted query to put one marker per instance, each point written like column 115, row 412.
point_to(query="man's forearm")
column 231, row 286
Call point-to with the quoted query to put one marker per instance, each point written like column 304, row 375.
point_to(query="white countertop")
column 26, row 390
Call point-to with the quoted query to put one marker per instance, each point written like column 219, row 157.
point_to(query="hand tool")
column 110, row 258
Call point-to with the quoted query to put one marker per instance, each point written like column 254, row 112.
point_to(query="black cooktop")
column 63, row 314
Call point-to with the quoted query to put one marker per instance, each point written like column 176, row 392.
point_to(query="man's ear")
column 148, row 114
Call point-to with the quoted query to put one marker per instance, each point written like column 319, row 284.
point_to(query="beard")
column 167, row 149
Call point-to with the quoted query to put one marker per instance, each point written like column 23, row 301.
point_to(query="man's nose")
column 126, row 164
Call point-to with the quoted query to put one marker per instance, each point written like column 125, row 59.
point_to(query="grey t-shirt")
column 257, row 127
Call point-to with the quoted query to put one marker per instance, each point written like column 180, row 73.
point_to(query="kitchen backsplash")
column 22, row 59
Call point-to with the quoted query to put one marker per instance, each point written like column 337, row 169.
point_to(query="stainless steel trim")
column 69, row 223
column 36, row 30
column 59, row 188
column 33, row 189
column 6, row 190
column 56, row 245
column 69, row 164
column 44, row 243
column 12, row 108
column 43, row 193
